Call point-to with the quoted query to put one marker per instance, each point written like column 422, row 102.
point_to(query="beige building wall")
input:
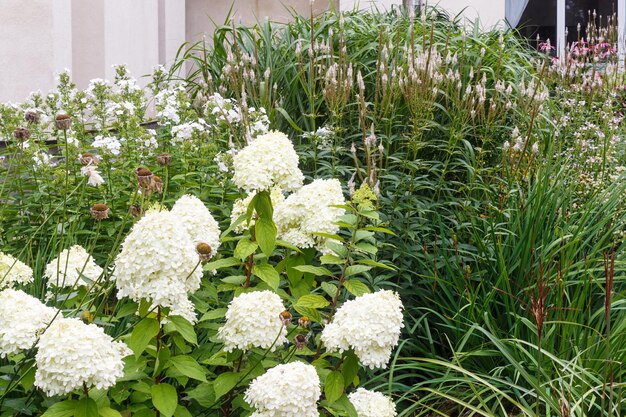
column 348, row 5
column 490, row 13
column 35, row 44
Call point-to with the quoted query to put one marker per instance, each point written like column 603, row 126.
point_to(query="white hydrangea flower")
column 287, row 390
column 159, row 262
column 240, row 207
column 71, row 353
column 13, row 271
column 253, row 320
column 198, row 221
column 310, row 210
column 73, row 266
column 372, row 404
column 370, row 325
column 22, row 319
column 269, row 161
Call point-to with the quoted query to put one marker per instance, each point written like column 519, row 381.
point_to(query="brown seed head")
column 164, row 159
column 31, row 116
column 204, row 251
column 144, row 177
column 157, row 184
column 286, row 317
column 100, row 211
column 304, row 321
column 89, row 159
column 21, row 133
column 300, row 341
column 135, row 210
column 63, row 121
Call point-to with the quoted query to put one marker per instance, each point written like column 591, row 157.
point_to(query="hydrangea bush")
column 181, row 265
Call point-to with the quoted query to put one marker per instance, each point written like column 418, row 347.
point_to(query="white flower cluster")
column 159, row 262
column 288, row 390
column 198, row 221
column 369, row 324
column 223, row 109
column 184, row 132
column 73, row 266
column 42, row 159
column 310, row 210
column 253, row 320
column 372, row 404
column 71, row 353
column 269, row 161
column 109, row 144
column 167, row 104
column 22, row 319
column 240, row 207
column 13, row 271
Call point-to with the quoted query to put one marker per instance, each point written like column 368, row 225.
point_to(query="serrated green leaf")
column 61, row 409
column 224, row 383
column 357, row 269
column 188, row 366
column 183, row 327
column 356, row 287
column 315, row 270
column 265, row 234
column 267, row 274
column 164, row 399
column 86, row 407
column 221, row 263
column 245, row 247
column 334, row 386
column 142, row 333
column 312, row 301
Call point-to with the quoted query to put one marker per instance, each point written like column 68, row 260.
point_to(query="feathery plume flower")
column 286, row 390
column 159, row 262
column 253, row 320
column 198, row 221
column 72, row 354
column 13, row 271
column 369, row 324
column 372, row 404
column 310, row 210
column 269, row 161
column 73, row 266
column 22, row 319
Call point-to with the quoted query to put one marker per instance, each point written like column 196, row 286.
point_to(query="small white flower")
column 370, row 325
column 73, row 266
column 372, row 404
column 93, row 175
column 269, row 161
column 72, row 353
column 22, row 319
column 253, row 320
column 287, row 390
column 13, row 271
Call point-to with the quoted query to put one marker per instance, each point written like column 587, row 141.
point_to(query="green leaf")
column 311, row 313
column 182, row 412
column 245, row 247
column 330, row 289
column 143, row 332
column 263, row 204
column 218, row 313
column 221, row 263
column 356, row 287
column 334, row 386
column 86, row 407
column 267, row 274
column 109, row 412
column 188, row 366
column 224, row 383
column 61, row 409
column 312, row 301
column 350, row 368
column 344, row 404
column 362, row 234
column 164, row 398
column 376, row 264
column 357, row 269
column 331, row 259
column 265, row 234
column 183, row 327
column 315, row 270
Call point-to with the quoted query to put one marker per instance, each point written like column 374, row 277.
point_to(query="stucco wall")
column 489, row 12
column 348, row 5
